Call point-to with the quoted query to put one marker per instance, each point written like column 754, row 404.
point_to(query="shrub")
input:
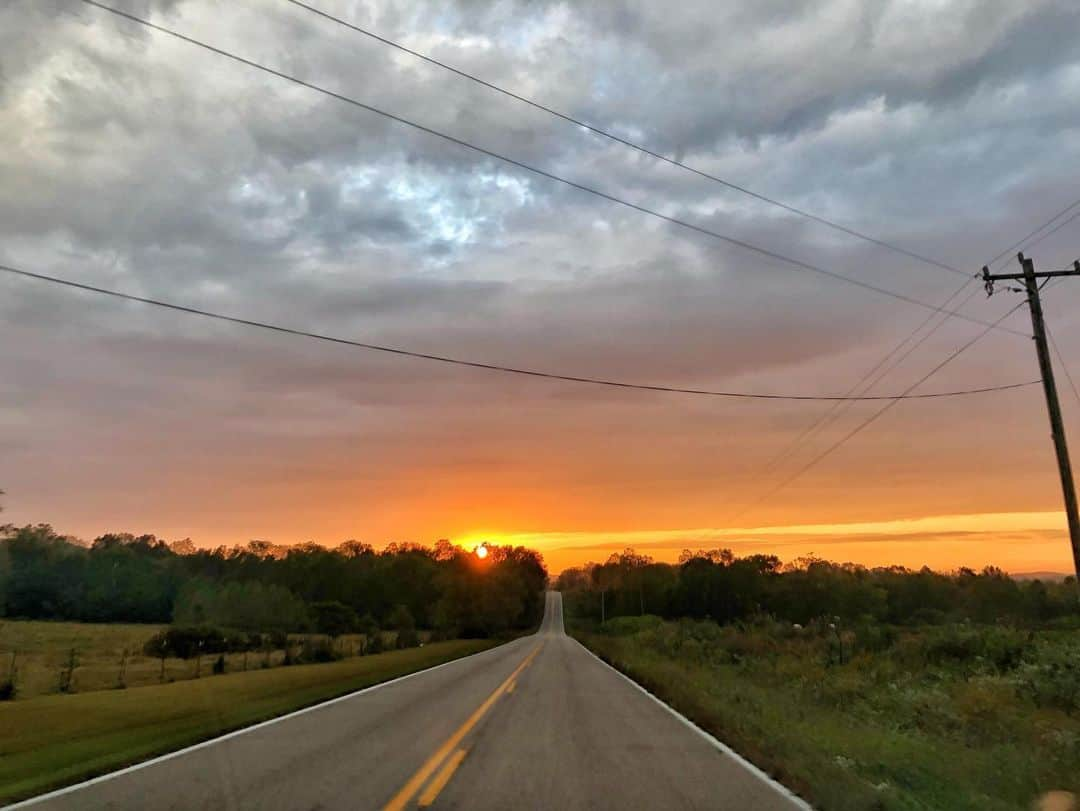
column 1001, row 648
column 247, row 605
column 927, row 616
column 278, row 639
column 219, row 665
column 1005, row 649
column 67, row 672
column 185, row 642
column 402, row 619
column 950, row 645
column 628, row 626
column 374, row 642
column 239, row 642
column 875, row 638
column 317, row 650
column 984, row 706
column 333, row 618
column 407, row 638
column 1054, row 681
column 739, row 644
column 7, row 690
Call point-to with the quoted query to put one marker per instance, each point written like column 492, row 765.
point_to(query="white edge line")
column 723, row 747
column 237, row 732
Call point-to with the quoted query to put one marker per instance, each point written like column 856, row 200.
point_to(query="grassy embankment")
column 958, row 717
column 53, row 740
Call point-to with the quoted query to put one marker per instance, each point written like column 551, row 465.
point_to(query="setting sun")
column 481, row 551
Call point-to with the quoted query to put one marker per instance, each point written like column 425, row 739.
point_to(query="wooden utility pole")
column 1046, row 369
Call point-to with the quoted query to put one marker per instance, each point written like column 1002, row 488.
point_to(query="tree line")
column 718, row 585
column 266, row 588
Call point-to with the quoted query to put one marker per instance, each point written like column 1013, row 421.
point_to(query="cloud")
column 137, row 162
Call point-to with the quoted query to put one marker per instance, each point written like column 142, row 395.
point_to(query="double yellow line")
column 442, row 756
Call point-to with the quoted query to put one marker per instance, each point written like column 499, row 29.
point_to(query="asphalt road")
column 536, row 723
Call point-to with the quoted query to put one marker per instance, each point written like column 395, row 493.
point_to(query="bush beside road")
column 958, row 717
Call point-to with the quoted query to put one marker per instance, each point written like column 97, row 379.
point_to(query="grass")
column 884, row 730
column 42, row 649
column 53, row 740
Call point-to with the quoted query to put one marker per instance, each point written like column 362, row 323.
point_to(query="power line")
column 838, row 408
column 1011, row 248
column 828, row 416
column 840, row 404
column 626, row 142
column 476, row 364
column 841, row 407
column 1053, row 230
column 975, row 340
column 1061, row 362
column 541, row 172
column 875, row 416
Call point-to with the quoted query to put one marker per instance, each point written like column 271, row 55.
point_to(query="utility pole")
column 1057, row 428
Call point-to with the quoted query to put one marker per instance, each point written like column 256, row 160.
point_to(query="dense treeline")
column 725, row 588
column 265, row 588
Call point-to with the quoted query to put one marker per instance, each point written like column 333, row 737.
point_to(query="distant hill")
column 1055, row 576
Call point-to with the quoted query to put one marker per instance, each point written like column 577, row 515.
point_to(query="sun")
column 482, row 551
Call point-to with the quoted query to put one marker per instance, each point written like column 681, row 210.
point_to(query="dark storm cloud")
column 136, row 162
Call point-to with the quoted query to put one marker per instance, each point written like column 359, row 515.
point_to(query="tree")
column 333, row 618
column 245, row 606
column 265, row 588
column 402, row 621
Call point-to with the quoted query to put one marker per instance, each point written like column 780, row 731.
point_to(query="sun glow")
column 482, row 551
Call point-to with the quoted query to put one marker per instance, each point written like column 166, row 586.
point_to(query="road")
column 536, row 723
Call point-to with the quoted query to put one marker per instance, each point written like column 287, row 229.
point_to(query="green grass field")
column 42, row 649
column 884, row 728
column 52, row 740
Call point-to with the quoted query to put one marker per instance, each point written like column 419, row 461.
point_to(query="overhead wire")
column 605, row 133
column 837, row 410
column 1004, row 252
column 1061, row 362
column 1057, row 350
column 1027, row 242
column 872, row 418
column 745, row 245
column 1054, row 230
column 248, row 322
column 748, row 246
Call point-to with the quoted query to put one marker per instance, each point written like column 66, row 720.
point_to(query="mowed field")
column 51, row 740
column 108, row 656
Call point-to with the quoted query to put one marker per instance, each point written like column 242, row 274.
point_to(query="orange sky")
column 1017, row 542
column 575, row 478
column 278, row 205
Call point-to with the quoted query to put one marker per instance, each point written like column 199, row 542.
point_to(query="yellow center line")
column 510, row 687
column 399, row 800
column 440, row 780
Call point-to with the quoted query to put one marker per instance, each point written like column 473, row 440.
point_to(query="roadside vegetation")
column 36, row 655
column 859, row 689
column 125, row 647
column 126, row 610
column 53, row 740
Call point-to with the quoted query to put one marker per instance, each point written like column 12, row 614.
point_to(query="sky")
column 136, row 162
